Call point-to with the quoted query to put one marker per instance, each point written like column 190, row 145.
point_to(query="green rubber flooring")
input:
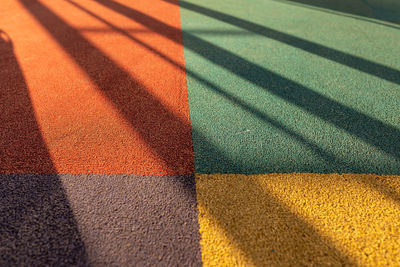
column 282, row 86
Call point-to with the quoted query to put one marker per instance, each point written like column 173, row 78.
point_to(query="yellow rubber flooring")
column 299, row 219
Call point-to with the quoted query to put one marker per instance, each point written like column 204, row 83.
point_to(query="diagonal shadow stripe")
column 52, row 24
column 384, row 10
column 370, row 130
column 37, row 224
column 221, row 32
column 364, row 65
column 157, row 125
column 338, row 13
column 41, row 13
column 326, row 155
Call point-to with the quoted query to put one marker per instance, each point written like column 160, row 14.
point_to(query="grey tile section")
column 37, row 225
column 99, row 220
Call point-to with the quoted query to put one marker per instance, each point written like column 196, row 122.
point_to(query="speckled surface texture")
column 285, row 88
column 94, row 103
column 98, row 220
column 128, row 140
column 81, row 94
column 299, row 219
column 37, row 223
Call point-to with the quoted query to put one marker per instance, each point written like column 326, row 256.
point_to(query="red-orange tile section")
column 80, row 96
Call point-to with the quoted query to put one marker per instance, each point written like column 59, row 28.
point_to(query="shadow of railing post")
column 357, row 63
column 52, row 23
column 338, row 13
column 372, row 131
column 378, row 9
column 37, row 224
column 339, row 164
column 326, row 155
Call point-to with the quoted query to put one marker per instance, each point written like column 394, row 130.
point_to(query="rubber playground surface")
column 166, row 132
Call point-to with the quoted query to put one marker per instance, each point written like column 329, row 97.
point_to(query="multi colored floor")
column 166, row 132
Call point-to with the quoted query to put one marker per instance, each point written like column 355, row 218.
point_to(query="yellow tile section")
column 299, row 219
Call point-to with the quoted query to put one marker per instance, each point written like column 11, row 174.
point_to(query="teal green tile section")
column 385, row 10
column 290, row 86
